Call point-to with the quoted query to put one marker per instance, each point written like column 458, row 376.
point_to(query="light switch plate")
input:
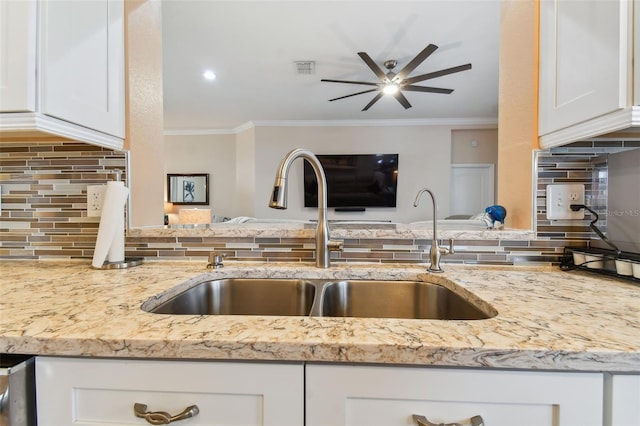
column 560, row 197
column 95, row 195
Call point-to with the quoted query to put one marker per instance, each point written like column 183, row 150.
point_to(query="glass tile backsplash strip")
column 44, row 197
column 44, row 216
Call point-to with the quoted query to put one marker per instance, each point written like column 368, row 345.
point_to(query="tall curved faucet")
column 435, row 252
column 279, row 201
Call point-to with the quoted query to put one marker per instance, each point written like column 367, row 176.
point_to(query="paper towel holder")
column 128, row 262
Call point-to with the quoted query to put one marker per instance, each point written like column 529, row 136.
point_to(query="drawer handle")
column 422, row 421
column 162, row 417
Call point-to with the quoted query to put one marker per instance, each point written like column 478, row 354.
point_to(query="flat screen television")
column 354, row 180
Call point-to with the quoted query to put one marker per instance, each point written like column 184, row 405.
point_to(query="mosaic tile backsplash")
column 44, row 215
column 44, row 197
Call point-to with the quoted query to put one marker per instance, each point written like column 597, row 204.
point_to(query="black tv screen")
column 354, row 180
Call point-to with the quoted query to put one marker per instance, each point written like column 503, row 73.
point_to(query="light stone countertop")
column 456, row 229
column 547, row 318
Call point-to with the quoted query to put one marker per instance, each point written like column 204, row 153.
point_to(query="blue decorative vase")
column 496, row 213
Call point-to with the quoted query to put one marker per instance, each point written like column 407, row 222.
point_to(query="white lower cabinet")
column 367, row 395
column 622, row 400
column 84, row 391
column 87, row 391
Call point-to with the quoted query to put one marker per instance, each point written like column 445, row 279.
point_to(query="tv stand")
column 350, row 209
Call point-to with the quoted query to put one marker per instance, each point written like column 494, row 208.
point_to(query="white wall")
column 424, row 161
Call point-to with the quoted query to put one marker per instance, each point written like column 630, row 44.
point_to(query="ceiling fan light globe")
column 390, row 89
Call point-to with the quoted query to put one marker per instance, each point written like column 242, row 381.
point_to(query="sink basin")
column 396, row 299
column 235, row 296
column 327, row 298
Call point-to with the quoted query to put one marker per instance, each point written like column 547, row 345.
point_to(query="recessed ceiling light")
column 209, row 75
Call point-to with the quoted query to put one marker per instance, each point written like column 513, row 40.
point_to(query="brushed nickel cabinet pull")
column 422, row 421
column 162, row 417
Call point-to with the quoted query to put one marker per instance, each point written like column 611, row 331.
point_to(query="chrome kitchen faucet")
column 279, row 201
column 436, row 252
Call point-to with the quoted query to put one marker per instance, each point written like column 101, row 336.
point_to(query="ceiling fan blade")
column 373, row 101
column 435, row 74
column 413, row 64
column 353, row 94
column 426, row 89
column 350, row 82
column 403, row 101
column 374, row 67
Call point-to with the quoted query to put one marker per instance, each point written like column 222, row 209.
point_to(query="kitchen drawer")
column 77, row 391
column 389, row 396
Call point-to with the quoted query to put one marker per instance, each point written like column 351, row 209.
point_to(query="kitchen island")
column 547, row 318
column 563, row 349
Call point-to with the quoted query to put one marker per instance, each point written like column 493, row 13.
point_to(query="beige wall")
column 212, row 154
column 144, row 133
column 464, row 152
column 247, row 164
column 245, row 173
column 517, row 123
column 485, row 150
column 424, row 160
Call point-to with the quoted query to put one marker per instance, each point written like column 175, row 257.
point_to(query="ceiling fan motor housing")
column 390, row 64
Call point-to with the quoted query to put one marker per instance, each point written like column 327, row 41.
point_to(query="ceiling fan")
column 394, row 83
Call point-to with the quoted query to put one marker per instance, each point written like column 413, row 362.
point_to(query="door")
column 472, row 188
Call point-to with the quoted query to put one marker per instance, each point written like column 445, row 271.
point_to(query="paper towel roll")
column 116, row 250
column 110, row 240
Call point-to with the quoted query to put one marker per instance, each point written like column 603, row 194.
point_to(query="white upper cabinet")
column 17, row 70
column 65, row 74
column 586, row 75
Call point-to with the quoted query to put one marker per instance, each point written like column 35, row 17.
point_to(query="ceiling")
column 252, row 47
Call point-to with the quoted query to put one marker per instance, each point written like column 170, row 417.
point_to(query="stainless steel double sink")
column 325, row 298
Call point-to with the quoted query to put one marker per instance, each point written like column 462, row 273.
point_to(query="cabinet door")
column 584, row 61
column 82, row 63
column 623, row 400
column 17, row 56
column 366, row 395
column 103, row 392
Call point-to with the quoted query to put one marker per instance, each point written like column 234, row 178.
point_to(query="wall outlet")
column 560, row 197
column 95, row 196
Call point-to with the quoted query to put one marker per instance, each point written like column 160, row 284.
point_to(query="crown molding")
column 455, row 123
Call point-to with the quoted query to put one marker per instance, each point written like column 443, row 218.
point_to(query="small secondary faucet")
column 279, row 201
column 215, row 260
column 435, row 252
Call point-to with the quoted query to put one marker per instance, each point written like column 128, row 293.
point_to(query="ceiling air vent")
column 306, row 67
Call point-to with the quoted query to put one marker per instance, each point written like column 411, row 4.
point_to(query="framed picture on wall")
column 192, row 189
